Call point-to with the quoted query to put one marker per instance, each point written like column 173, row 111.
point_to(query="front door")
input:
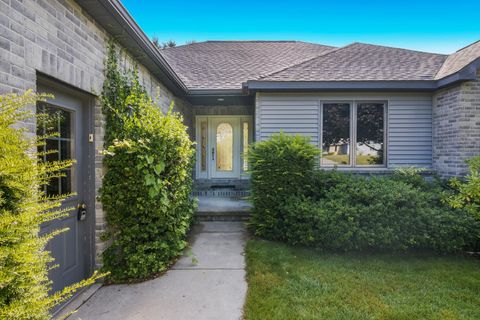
column 225, row 156
column 73, row 249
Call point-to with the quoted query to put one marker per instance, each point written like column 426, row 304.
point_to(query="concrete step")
column 221, row 193
column 222, row 209
column 223, row 216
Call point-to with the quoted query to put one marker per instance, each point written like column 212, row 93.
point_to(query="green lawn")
column 296, row 283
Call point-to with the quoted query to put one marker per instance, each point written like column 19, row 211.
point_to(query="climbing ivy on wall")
column 148, row 181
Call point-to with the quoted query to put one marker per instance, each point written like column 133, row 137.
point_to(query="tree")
column 163, row 45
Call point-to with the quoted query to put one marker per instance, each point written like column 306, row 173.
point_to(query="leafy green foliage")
column 147, row 185
column 24, row 283
column 467, row 191
column 339, row 211
column 279, row 168
column 377, row 213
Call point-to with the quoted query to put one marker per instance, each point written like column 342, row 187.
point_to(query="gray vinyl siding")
column 409, row 133
column 409, row 121
column 290, row 115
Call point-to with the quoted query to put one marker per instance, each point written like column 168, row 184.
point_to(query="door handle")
column 82, row 212
column 213, row 153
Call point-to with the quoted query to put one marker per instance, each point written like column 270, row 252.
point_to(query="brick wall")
column 456, row 127
column 57, row 38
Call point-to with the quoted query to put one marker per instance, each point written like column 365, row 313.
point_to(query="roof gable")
column 458, row 60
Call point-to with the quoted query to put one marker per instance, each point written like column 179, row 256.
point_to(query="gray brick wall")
column 57, row 38
column 456, row 127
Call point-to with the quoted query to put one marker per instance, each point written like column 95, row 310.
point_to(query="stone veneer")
column 59, row 39
column 456, row 127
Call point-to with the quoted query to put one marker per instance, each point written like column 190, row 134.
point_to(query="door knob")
column 213, row 153
column 82, row 212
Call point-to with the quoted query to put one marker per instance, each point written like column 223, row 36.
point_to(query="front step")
column 221, row 192
column 222, row 209
column 223, row 216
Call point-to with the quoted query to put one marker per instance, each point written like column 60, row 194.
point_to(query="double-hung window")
column 353, row 134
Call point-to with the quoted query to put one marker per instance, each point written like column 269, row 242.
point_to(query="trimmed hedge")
column 279, row 168
column 377, row 213
column 343, row 212
column 147, row 185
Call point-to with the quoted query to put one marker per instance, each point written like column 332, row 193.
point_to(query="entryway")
column 221, row 144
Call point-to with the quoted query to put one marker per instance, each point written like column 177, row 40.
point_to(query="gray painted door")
column 73, row 249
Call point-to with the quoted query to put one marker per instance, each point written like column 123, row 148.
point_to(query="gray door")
column 73, row 249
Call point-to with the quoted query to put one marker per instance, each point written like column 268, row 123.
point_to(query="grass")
column 298, row 283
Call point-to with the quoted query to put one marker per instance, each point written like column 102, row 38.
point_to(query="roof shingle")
column 364, row 62
column 226, row 64
column 458, row 60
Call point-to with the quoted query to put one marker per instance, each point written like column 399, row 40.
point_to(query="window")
column 57, row 147
column 353, row 134
column 370, row 134
column 203, row 146
column 336, row 134
column 245, row 145
column 224, row 147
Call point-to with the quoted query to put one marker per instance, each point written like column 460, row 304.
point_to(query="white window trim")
column 353, row 134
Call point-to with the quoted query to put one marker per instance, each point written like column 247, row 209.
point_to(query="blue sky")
column 427, row 25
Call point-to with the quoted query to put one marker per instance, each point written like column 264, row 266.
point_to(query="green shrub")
column 24, row 282
column 295, row 203
column 320, row 182
column 377, row 214
column 411, row 176
column 279, row 168
column 466, row 192
column 147, row 185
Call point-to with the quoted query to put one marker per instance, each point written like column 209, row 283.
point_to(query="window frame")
column 72, row 140
column 353, row 133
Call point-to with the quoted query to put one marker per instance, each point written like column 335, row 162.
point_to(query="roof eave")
column 469, row 72
column 116, row 20
column 419, row 85
column 215, row 92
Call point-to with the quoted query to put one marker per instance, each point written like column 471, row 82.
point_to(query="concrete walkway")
column 209, row 283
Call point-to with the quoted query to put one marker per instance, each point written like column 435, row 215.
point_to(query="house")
column 370, row 108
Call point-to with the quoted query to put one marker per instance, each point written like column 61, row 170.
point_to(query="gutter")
column 215, row 92
column 339, row 85
column 469, row 72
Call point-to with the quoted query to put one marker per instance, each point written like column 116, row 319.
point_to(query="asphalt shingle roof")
column 364, row 62
column 455, row 62
column 226, row 64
